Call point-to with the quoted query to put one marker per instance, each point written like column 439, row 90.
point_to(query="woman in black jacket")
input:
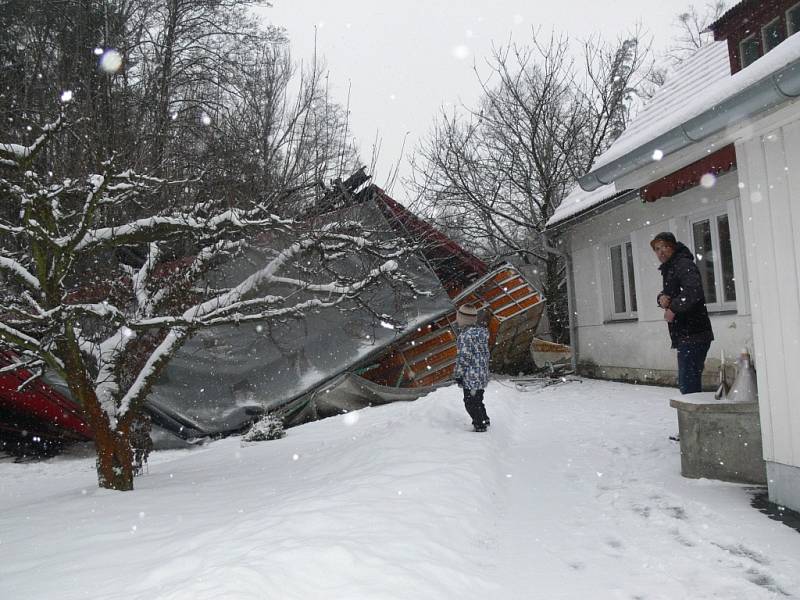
column 684, row 305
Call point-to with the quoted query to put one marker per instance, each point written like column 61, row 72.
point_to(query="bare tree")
column 496, row 173
column 201, row 144
column 692, row 32
column 109, row 336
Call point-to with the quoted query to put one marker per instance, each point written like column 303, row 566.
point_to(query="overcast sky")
column 403, row 60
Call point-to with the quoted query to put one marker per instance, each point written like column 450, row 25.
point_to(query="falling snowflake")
column 708, row 180
column 205, row 119
column 66, row 96
column 461, row 52
column 111, row 61
column 658, row 154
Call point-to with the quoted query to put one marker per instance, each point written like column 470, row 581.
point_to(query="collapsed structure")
column 327, row 363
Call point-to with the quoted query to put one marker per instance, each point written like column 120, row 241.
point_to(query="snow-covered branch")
column 142, row 278
column 17, row 155
column 161, row 227
column 9, row 265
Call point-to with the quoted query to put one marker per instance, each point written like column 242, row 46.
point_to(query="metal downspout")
column 573, row 329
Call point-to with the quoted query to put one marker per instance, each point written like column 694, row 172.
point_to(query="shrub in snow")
column 268, row 428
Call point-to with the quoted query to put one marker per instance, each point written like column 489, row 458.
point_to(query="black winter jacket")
column 682, row 283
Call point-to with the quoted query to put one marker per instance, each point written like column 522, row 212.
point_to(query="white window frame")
column 627, row 276
column 720, row 305
column 741, row 51
column 764, row 46
column 789, row 31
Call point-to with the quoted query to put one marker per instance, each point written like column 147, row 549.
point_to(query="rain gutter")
column 758, row 98
column 573, row 329
column 620, row 198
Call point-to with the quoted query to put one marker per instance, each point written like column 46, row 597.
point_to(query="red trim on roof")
column 721, row 161
column 455, row 267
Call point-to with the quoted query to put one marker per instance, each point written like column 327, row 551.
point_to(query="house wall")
column 769, row 160
column 638, row 349
column 756, row 13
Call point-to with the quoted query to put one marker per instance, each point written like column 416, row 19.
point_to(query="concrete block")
column 720, row 439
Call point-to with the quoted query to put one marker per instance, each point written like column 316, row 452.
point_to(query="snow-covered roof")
column 704, row 70
column 579, row 200
column 699, row 83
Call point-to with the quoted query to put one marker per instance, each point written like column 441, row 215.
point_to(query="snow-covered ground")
column 575, row 492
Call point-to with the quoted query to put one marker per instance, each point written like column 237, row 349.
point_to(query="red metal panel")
column 41, row 402
column 455, row 267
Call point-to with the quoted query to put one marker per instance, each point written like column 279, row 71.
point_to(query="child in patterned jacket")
column 472, row 364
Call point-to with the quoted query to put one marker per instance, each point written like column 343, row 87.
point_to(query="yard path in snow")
column 574, row 493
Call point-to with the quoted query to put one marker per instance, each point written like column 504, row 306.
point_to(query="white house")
column 714, row 158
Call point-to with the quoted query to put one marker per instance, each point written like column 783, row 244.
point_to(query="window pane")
column 749, row 51
column 617, row 279
column 631, row 280
column 793, row 19
column 772, row 34
column 704, row 255
column 726, row 259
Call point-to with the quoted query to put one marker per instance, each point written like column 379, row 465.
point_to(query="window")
column 793, row 19
column 749, row 51
column 623, row 285
column 772, row 34
column 713, row 252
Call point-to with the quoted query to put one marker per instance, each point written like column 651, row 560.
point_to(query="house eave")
column 753, row 101
column 608, row 204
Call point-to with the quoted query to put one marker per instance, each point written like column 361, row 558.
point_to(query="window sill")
column 621, row 320
column 722, row 312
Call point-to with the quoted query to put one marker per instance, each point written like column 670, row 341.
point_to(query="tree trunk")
column 165, row 80
column 557, row 304
column 112, row 445
column 114, row 456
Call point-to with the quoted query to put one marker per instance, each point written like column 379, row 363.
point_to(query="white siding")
column 644, row 342
column 770, row 200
